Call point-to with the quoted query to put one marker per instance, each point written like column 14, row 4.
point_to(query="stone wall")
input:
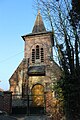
column 18, row 78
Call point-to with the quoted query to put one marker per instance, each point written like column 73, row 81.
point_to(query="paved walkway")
column 33, row 117
column 24, row 117
column 43, row 117
column 4, row 117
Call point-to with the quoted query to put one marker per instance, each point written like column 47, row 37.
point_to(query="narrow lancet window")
column 37, row 52
column 33, row 55
column 42, row 55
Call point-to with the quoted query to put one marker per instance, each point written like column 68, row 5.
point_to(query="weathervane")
column 38, row 5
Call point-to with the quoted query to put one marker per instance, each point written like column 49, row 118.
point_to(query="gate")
column 33, row 102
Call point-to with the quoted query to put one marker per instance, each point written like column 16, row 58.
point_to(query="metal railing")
column 28, row 102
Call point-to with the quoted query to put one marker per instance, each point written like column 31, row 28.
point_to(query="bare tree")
column 58, row 14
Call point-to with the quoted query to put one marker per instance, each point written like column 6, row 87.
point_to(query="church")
column 33, row 80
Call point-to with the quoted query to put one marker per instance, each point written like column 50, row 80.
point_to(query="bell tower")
column 38, row 44
column 38, row 50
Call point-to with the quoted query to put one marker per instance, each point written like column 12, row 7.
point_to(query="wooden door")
column 38, row 95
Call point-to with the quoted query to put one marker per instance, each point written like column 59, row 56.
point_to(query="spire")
column 39, row 25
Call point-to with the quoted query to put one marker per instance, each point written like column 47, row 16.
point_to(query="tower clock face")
column 38, row 95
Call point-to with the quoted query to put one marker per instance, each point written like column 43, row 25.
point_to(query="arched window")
column 33, row 55
column 37, row 52
column 42, row 55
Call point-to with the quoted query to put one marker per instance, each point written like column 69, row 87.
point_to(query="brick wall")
column 1, row 101
column 6, row 101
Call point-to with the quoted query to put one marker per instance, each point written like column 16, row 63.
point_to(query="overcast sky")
column 17, row 18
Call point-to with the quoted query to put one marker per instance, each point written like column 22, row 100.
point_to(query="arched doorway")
column 38, row 95
column 38, row 101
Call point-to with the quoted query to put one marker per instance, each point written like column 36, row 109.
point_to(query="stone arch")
column 35, row 44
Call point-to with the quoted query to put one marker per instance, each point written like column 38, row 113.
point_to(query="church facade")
column 36, row 74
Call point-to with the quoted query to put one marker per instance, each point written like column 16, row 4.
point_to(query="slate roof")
column 38, row 28
column 39, row 25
